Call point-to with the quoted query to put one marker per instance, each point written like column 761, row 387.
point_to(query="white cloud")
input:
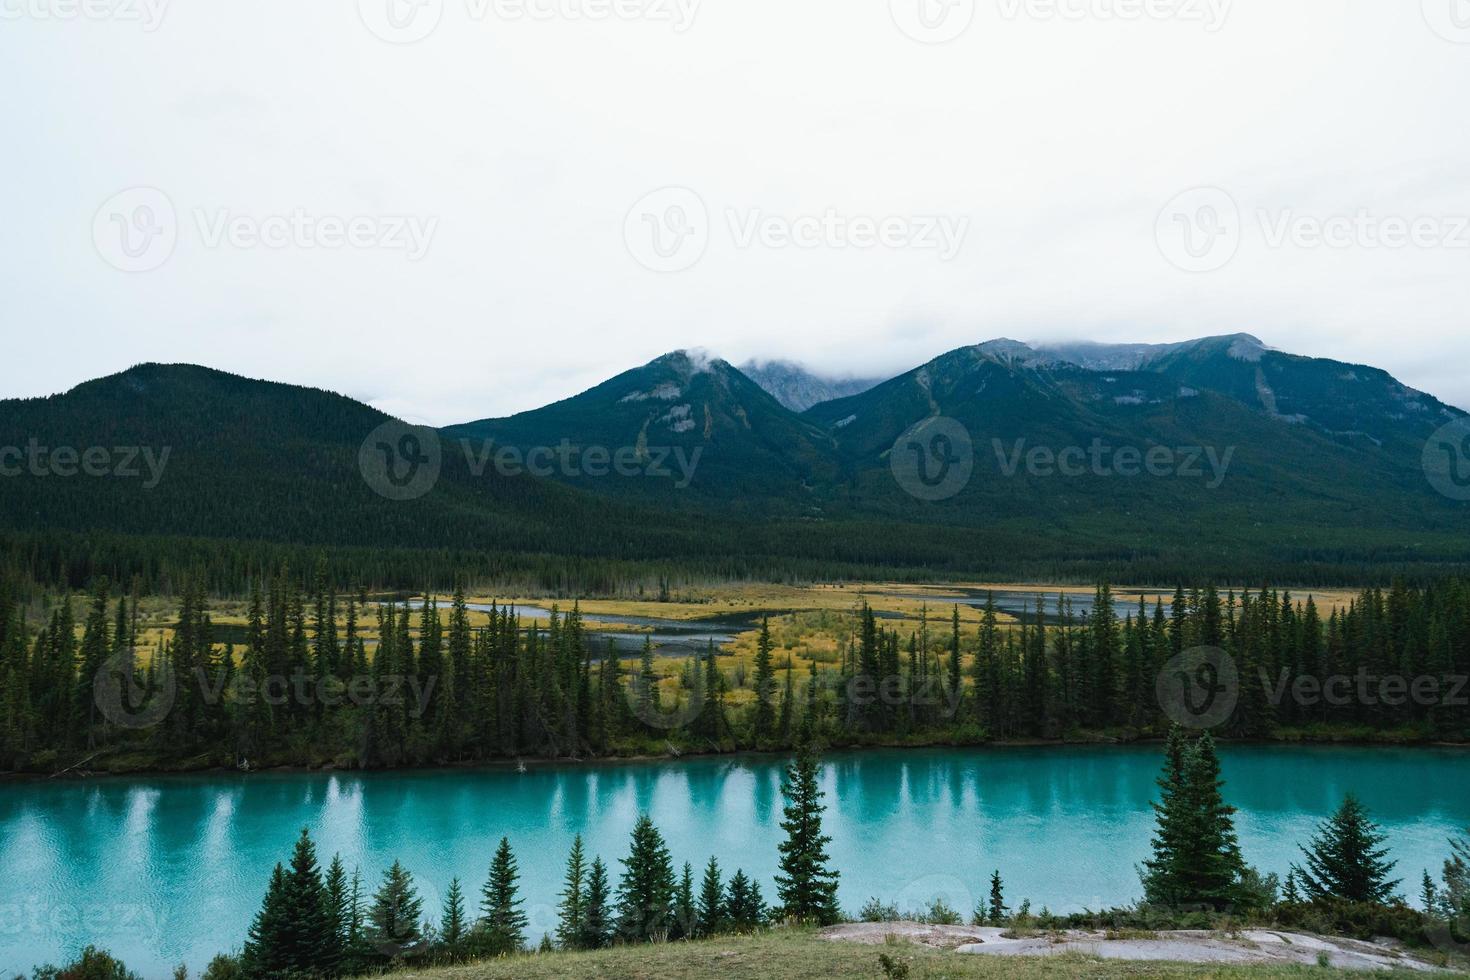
column 529, row 140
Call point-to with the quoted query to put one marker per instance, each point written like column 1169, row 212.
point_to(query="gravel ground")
column 1250, row 946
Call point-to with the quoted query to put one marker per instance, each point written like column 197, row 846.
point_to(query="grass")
column 799, row 954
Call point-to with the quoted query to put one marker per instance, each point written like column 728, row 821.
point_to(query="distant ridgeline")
column 1216, row 459
column 311, row 684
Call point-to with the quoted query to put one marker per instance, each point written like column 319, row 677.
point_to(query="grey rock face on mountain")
column 798, row 388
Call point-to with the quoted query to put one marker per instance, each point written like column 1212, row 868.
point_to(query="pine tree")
column 1161, row 873
column 500, row 906
column 647, row 684
column 1196, row 858
column 997, row 911
column 393, row 920
column 807, row 888
column 646, row 889
column 686, row 914
column 1345, row 859
column 1429, row 895
column 355, row 911
column 712, row 719
column 294, row 932
column 711, row 901
column 765, row 683
column 955, row 683
column 788, row 707
column 1455, row 896
column 265, row 953
column 596, row 917
column 573, row 909
column 745, row 911
column 1213, row 867
column 336, row 886
column 452, row 924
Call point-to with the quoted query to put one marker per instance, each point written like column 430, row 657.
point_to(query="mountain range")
column 1217, row 454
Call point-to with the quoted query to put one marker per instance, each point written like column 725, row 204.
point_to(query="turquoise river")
column 170, row 869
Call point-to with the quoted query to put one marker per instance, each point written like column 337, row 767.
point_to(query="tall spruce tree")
column 765, row 683
column 1195, row 858
column 597, row 924
column 501, row 914
column 997, row 910
column 394, row 918
column 1346, row 859
column 572, row 925
column 1213, row 867
column 453, row 927
column 686, row 912
column 646, row 889
column 265, row 953
column 711, row 901
column 336, row 885
column 806, row 886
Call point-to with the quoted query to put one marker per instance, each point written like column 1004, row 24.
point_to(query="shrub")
column 876, row 911
column 940, row 914
column 92, row 964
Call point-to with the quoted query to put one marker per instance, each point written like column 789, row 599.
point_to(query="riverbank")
column 141, row 764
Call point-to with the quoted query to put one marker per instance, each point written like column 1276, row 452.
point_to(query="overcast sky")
column 467, row 210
